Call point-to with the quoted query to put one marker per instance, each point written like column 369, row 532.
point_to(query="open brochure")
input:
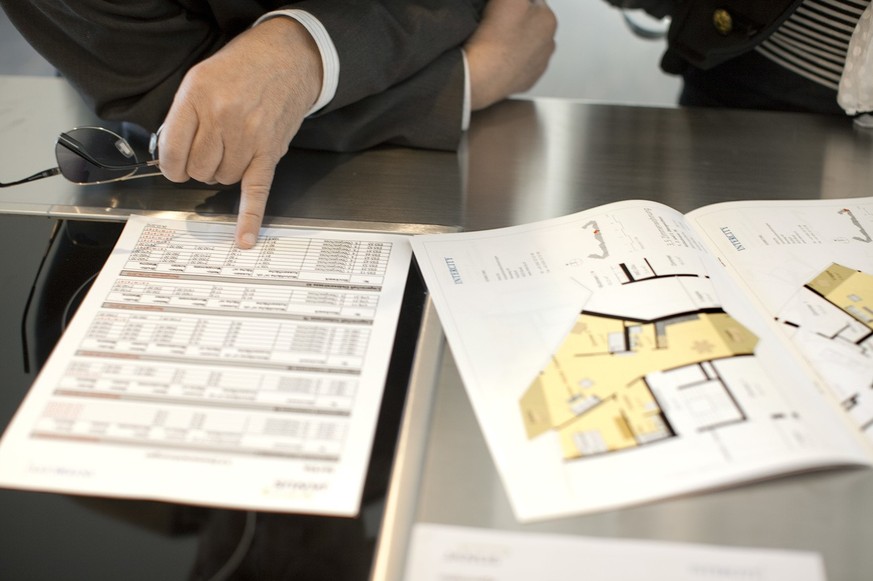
column 197, row 372
column 629, row 352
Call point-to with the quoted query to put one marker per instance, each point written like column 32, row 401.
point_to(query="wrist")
column 299, row 53
column 485, row 87
column 330, row 65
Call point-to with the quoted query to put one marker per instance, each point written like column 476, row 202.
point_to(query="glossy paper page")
column 197, row 372
column 809, row 264
column 611, row 361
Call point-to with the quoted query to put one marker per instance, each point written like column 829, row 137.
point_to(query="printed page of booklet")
column 610, row 360
column 810, row 266
column 197, row 372
column 441, row 552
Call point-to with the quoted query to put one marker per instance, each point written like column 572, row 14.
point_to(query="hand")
column 510, row 49
column 236, row 112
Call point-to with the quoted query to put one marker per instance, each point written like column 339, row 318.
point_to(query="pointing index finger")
column 254, row 191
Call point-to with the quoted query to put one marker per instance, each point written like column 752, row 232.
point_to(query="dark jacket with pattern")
column 401, row 75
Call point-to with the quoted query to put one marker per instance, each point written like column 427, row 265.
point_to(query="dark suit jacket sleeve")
column 128, row 58
column 423, row 111
column 398, row 82
column 381, row 43
column 125, row 59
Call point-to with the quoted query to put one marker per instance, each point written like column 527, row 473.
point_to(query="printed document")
column 200, row 373
column 449, row 553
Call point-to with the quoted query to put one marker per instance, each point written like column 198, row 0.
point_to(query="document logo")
column 732, row 238
column 453, row 270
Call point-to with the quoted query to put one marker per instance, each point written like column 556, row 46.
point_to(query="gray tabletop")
column 521, row 161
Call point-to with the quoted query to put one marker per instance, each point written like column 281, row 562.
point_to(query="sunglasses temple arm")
column 37, row 176
column 135, row 176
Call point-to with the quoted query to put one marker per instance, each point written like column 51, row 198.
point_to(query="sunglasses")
column 94, row 155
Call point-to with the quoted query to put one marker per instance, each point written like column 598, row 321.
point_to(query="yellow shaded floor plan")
column 851, row 293
column 831, row 320
column 610, row 383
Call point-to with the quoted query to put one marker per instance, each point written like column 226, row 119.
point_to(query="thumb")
column 255, row 189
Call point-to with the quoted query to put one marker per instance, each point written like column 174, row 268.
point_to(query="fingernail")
column 249, row 239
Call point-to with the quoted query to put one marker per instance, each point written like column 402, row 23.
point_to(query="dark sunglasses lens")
column 104, row 147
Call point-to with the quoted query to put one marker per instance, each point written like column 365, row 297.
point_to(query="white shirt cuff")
column 465, row 118
column 330, row 64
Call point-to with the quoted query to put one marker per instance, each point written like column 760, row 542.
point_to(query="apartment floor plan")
column 831, row 319
column 637, row 375
column 605, row 388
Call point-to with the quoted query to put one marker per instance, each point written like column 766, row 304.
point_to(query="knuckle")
column 227, row 177
column 176, row 177
column 251, row 215
column 257, row 193
column 200, row 169
column 196, row 75
column 223, row 105
column 171, row 156
column 202, row 177
column 173, row 168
